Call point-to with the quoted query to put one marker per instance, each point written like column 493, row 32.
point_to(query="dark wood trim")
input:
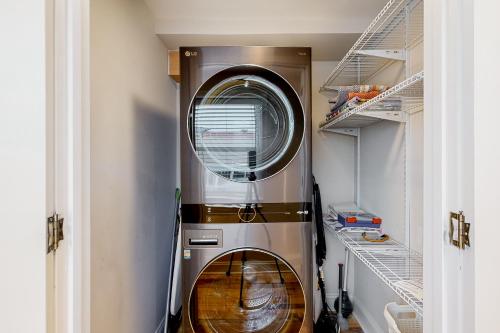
column 247, row 213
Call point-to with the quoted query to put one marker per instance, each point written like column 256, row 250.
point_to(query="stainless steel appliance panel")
column 290, row 242
column 291, row 184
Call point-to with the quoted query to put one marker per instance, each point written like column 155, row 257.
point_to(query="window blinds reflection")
column 224, row 135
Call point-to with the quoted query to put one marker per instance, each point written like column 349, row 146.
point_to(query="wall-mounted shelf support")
column 344, row 131
column 398, row 116
column 398, row 54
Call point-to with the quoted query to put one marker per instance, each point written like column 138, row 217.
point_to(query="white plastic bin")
column 402, row 319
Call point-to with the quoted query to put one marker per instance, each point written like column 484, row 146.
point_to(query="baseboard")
column 365, row 320
column 330, row 298
column 161, row 326
column 363, row 317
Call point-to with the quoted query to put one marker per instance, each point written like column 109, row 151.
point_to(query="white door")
column 462, row 165
column 23, row 166
column 449, row 165
column 50, row 160
column 33, row 168
column 458, row 166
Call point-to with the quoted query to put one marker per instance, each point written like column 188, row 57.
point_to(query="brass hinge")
column 55, row 233
column 463, row 228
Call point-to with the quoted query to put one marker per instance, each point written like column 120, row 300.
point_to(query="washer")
column 247, row 277
column 246, row 126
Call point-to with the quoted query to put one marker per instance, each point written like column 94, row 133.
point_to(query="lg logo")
column 191, row 53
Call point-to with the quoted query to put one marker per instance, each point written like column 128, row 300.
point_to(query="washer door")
column 247, row 291
column 246, row 123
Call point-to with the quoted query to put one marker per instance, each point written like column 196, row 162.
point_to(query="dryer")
column 246, row 127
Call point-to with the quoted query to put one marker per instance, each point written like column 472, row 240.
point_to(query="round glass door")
column 247, row 291
column 246, row 123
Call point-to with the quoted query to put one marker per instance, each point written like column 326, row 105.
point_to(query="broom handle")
column 341, row 276
column 346, row 268
column 339, row 313
column 321, row 283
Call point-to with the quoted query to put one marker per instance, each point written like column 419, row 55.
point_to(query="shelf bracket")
column 397, row 54
column 398, row 116
column 343, row 131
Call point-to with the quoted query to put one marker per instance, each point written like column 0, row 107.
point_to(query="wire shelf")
column 397, row 28
column 397, row 266
column 408, row 96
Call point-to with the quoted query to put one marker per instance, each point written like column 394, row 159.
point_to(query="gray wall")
column 133, row 168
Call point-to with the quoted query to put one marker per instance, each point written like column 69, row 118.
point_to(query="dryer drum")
column 246, row 123
column 247, row 291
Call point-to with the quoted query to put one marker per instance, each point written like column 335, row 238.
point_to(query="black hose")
column 327, row 319
column 320, row 229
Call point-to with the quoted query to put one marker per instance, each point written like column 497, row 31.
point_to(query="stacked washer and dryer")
column 246, row 189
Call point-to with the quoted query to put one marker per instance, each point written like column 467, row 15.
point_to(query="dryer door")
column 246, row 123
column 247, row 291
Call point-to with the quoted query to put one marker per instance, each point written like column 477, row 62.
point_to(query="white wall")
column 23, row 158
column 382, row 192
column 382, row 175
column 133, row 167
column 333, row 167
column 369, row 299
column 415, row 158
column 390, row 170
column 486, row 166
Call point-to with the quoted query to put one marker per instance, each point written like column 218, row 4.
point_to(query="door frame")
column 448, row 138
column 435, row 31
column 433, row 166
column 72, row 100
column 79, row 21
column 487, row 164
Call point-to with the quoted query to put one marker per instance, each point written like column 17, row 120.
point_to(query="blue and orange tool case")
column 359, row 219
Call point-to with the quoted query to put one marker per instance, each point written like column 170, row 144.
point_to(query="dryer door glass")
column 247, row 291
column 246, row 123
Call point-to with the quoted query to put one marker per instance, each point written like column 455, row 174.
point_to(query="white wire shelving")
column 397, row 266
column 396, row 29
column 394, row 37
column 407, row 96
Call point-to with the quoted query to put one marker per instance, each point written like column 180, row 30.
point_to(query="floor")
column 353, row 327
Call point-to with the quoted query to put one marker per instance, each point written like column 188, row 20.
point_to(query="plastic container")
column 402, row 319
column 357, row 219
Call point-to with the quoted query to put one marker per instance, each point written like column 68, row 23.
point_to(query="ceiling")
column 330, row 27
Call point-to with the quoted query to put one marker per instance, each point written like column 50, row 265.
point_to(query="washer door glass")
column 246, row 123
column 247, row 291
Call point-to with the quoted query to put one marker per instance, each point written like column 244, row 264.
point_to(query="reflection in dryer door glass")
column 247, row 292
column 243, row 125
